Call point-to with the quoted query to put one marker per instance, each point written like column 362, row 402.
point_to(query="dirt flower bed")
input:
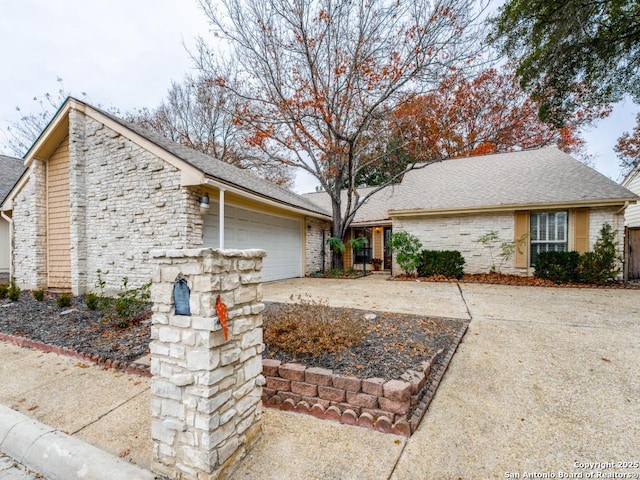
column 505, row 279
column 391, row 343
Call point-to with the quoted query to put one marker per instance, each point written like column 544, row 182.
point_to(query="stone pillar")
column 206, row 407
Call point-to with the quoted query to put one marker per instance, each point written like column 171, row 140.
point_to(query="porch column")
column 221, row 217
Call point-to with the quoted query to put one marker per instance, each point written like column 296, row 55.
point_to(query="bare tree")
column 199, row 114
column 316, row 78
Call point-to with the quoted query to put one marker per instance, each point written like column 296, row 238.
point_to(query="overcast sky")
column 124, row 53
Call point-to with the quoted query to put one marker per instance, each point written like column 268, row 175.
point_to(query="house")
column 99, row 193
column 632, row 224
column 11, row 169
column 543, row 196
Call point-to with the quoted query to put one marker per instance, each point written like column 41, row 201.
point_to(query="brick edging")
column 45, row 347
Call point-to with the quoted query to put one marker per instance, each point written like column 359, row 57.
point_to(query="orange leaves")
column 486, row 114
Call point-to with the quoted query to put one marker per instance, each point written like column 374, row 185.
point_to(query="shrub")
column 13, row 292
column 4, row 290
column 309, row 327
column 92, row 301
column 64, row 300
column 38, row 295
column 558, row 267
column 599, row 266
column 406, row 247
column 449, row 263
column 127, row 305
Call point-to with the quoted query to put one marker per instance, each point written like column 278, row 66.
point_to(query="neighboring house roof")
column 537, row 178
column 528, row 178
column 11, row 169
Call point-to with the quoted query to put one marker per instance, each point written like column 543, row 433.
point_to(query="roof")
column 528, row 178
column 535, row 178
column 219, row 170
column 210, row 167
column 11, row 169
column 375, row 209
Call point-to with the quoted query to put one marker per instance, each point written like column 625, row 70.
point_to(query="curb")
column 57, row 455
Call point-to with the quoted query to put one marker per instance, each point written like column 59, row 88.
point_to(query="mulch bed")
column 393, row 343
column 505, row 279
column 75, row 327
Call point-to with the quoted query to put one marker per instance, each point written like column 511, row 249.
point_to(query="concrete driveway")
column 545, row 380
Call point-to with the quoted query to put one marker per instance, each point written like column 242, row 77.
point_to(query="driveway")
column 544, row 378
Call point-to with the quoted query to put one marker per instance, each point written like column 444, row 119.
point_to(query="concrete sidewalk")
column 544, row 378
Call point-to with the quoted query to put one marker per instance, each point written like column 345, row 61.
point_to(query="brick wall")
column 374, row 402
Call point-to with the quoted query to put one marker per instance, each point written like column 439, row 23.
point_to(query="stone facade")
column 29, row 230
column 314, row 247
column 125, row 201
column 461, row 232
column 206, row 390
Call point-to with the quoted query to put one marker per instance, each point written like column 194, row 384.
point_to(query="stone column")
column 206, row 390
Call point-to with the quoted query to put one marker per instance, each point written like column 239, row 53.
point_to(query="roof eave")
column 220, row 184
column 511, row 207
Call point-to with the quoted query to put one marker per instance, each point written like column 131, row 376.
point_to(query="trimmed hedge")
column 559, row 267
column 448, row 263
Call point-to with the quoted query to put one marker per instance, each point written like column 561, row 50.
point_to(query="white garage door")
column 280, row 237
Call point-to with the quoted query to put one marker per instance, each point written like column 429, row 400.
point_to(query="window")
column 548, row 232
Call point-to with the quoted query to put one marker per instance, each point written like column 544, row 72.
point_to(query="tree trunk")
column 337, row 231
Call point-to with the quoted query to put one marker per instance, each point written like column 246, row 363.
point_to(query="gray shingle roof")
column 375, row 209
column 11, row 169
column 518, row 179
column 222, row 171
column 526, row 178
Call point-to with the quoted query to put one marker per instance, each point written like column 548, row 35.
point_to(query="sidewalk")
column 544, row 378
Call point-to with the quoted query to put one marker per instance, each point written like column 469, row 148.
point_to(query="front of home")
column 540, row 199
column 100, row 193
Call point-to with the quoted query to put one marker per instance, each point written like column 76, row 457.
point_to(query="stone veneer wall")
column 314, row 246
column 134, row 203
column 29, row 232
column 206, row 391
column 124, row 201
column 461, row 232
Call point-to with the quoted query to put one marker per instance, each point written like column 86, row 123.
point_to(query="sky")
column 125, row 53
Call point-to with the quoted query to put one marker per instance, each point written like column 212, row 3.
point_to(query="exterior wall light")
column 204, row 203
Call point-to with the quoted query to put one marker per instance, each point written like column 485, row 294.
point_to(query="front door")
column 387, row 248
column 633, row 253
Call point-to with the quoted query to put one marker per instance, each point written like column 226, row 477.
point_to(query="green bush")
column 448, row 263
column 64, row 300
column 126, row 306
column 406, row 247
column 4, row 290
column 92, row 301
column 559, row 267
column 13, row 292
column 599, row 266
column 38, row 295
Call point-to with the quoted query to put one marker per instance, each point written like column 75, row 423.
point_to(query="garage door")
column 280, row 237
